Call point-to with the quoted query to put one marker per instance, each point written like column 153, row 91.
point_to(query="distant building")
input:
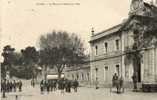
column 79, row 72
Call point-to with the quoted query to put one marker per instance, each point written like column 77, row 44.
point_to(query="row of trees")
column 57, row 50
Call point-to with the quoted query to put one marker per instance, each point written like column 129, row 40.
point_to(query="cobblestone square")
column 84, row 93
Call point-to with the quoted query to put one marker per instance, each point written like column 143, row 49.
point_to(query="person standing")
column 69, row 86
column 66, row 85
column 62, row 85
column 41, row 86
column 3, row 86
column 135, row 80
column 11, row 86
column 75, row 85
column 51, row 85
column 20, row 86
column 48, row 86
column 55, row 85
column 14, row 85
column 121, row 80
column 114, row 79
column 7, row 86
column 33, row 83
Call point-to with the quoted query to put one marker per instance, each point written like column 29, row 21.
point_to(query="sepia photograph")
column 78, row 49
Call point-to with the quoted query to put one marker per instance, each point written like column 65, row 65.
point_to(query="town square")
column 84, row 93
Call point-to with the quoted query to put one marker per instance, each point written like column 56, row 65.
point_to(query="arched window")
column 117, row 44
column 96, row 50
column 77, row 76
column 106, row 47
column 88, row 76
column 82, row 76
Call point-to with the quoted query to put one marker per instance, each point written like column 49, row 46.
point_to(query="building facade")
column 149, row 66
column 109, row 49
column 106, row 59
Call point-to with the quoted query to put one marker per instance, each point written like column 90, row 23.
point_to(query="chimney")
column 92, row 31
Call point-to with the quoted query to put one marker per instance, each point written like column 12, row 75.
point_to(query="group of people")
column 11, row 86
column 47, row 85
column 64, row 85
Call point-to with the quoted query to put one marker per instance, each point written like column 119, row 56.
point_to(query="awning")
column 54, row 76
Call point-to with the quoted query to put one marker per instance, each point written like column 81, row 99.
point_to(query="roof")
column 143, row 19
column 105, row 33
column 149, row 14
column 146, row 9
column 78, row 68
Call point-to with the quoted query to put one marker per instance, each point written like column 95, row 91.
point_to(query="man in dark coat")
column 7, row 86
column 135, row 79
column 41, row 86
column 14, row 85
column 33, row 83
column 68, row 86
column 75, row 85
column 3, row 88
column 114, row 79
column 11, row 86
column 48, row 86
column 20, row 85
column 62, row 85
column 55, row 85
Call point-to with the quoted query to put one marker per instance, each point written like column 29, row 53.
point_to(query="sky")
column 24, row 21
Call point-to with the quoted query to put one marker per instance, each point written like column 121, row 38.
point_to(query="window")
column 67, row 75
column 117, row 69
column 96, row 73
column 82, row 76
column 96, row 50
column 105, row 73
column 77, row 76
column 72, row 76
column 117, row 44
column 106, row 47
column 106, row 68
column 88, row 76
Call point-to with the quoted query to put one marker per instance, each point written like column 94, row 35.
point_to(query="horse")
column 118, row 84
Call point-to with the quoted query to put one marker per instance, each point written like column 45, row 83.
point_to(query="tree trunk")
column 59, row 75
column 45, row 72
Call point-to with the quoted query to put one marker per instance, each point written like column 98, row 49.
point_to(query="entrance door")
column 118, row 70
column 105, row 73
column 139, row 73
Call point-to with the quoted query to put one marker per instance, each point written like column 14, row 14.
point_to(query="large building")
column 109, row 48
column 106, row 51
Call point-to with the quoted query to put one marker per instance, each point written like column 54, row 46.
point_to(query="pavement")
column 84, row 93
